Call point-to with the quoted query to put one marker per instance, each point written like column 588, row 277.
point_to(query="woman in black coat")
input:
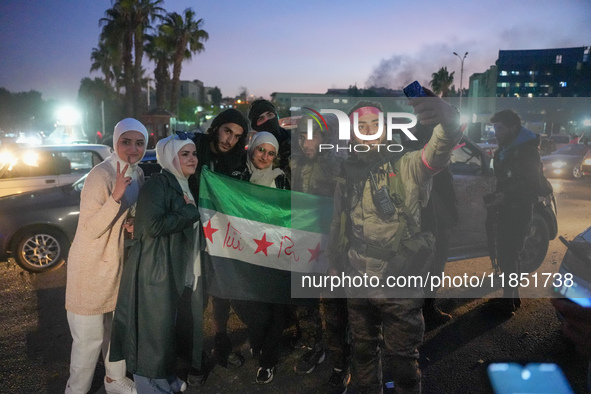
column 160, row 264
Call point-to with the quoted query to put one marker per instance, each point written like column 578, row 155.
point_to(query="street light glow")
column 68, row 116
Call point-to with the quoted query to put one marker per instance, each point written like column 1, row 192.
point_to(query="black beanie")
column 257, row 108
column 230, row 115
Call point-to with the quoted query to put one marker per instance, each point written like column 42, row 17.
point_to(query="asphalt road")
column 35, row 340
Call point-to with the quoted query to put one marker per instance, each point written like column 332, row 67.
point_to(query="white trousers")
column 90, row 335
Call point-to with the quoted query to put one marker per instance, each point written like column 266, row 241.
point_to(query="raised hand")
column 121, row 183
column 432, row 110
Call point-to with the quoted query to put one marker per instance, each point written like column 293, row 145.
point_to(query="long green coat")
column 153, row 279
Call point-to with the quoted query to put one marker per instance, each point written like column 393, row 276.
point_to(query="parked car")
column 38, row 227
column 25, row 168
column 473, row 177
column 577, row 261
column 565, row 162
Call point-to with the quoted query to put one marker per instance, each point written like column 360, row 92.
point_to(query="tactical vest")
column 410, row 251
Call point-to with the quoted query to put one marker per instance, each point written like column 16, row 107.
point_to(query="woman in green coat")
column 159, row 265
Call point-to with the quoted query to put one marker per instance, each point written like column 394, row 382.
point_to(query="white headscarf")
column 127, row 124
column 167, row 151
column 267, row 176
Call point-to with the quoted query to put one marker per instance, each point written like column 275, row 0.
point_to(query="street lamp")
column 461, row 75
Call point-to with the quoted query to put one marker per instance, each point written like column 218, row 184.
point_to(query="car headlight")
column 587, row 162
column 558, row 164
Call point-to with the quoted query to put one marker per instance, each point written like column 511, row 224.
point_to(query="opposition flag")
column 257, row 238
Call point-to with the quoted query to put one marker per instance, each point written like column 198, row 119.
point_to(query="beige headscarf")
column 267, row 176
column 167, row 151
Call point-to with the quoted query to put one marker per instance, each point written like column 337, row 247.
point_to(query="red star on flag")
column 315, row 253
column 262, row 244
column 208, row 231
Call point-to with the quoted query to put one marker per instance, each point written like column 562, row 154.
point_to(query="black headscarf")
column 259, row 107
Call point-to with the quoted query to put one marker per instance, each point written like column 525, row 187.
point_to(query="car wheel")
column 536, row 245
column 577, row 173
column 41, row 249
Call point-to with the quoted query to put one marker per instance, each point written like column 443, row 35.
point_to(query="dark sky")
column 294, row 46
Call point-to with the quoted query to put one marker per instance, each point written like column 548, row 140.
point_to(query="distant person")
column 155, row 273
column 95, row 263
column 517, row 170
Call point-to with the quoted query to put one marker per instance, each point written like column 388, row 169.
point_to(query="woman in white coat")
column 95, row 261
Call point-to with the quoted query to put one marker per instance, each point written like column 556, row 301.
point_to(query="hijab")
column 167, row 151
column 127, row 124
column 266, row 176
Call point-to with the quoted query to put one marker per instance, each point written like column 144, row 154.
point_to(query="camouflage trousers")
column 386, row 335
column 336, row 321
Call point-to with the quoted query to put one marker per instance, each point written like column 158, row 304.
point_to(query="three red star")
column 208, row 231
column 262, row 244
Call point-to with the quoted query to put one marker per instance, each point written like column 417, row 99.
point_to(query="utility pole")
column 461, row 76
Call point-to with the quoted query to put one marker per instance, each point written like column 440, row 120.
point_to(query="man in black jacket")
column 517, row 169
column 222, row 149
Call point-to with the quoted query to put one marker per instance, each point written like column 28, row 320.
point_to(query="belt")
column 370, row 250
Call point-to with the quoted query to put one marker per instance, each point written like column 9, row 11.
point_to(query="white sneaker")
column 120, row 386
column 178, row 385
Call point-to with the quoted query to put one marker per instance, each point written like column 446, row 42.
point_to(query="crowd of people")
column 137, row 252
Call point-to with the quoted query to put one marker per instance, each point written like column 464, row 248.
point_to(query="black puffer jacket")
column 517, row 169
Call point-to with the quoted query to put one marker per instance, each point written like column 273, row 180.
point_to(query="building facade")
column 561, row 72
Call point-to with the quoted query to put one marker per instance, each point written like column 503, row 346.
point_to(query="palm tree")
column 160, row 50
column 442, row 81
column 144, row 13
column 118, row 35
column 102, row 60
column 188, row 39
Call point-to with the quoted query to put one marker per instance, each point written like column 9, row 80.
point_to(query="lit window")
column 558, row 59
column 532, row 95
column 335, row 101
column 563, row 84
column 503, row 73
column 503, row 84
column 531, row 84
column 514, row 72
column 517, row 84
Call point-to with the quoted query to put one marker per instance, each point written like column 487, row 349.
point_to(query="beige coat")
column 95, row 261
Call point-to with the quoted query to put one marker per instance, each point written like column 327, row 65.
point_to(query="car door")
column 472, row 178
column 28, row 170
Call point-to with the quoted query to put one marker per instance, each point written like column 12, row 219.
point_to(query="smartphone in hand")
column 414, row 90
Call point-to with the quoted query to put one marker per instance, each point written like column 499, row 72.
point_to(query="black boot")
column 222, row 352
